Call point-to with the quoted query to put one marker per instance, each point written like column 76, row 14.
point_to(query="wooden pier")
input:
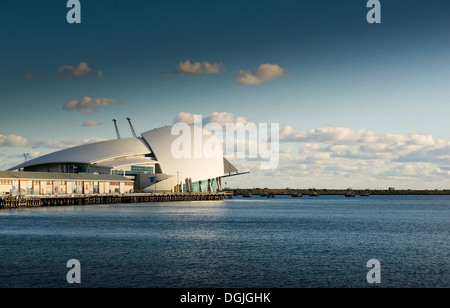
column 11, row 202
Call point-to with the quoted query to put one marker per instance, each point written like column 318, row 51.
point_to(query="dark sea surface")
column 253, row 242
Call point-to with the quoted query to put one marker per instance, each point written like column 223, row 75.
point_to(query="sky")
column 359, row 105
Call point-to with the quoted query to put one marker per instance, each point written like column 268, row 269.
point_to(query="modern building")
column 148, row 160
column 50, row 183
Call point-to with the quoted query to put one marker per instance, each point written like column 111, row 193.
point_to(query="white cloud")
column 265, row 73
column 340, row 157
column 343, row 135
column 68, row 71
column 363, row 144
column 418, row 139
column 432, row 154
column 198, row 68
column 184, row 117
column 88, row 105
column 14, row 141
column 213, row 68
column 222, row 118
column 91, row 123
column 20, row 141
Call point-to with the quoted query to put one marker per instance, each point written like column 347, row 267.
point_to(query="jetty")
column 23, row 201
column 336, row 192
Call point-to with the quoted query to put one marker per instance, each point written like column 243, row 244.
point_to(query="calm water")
column 258, row 242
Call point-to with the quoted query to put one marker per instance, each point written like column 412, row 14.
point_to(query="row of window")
column 134, row 170
column 141, row 169
column 59, row 183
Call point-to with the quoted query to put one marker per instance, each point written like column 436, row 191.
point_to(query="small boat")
column 247, row 195
column 350, row 193
column 263, row 195
column 296, row 195
column 365, row 194
column 314, row 194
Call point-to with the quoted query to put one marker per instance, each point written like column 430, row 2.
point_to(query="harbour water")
column 255, row 242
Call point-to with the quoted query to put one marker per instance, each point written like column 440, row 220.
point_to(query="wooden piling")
column 10, row 202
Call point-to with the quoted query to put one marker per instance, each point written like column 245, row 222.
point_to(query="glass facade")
column 141, row 169
column 73, row 168
column 196, row 186
column 135, row 170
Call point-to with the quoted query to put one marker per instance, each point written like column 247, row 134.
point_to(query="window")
column 142, row 170
column 134, row 170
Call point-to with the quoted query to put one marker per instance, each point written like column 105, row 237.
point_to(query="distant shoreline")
column 324, row 191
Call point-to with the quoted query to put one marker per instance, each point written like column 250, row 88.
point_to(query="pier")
column 334, row 192
column 11, row 202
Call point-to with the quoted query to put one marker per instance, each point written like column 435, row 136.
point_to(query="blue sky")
column 337, row 71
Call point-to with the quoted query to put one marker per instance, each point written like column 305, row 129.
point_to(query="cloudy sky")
column 359, row 105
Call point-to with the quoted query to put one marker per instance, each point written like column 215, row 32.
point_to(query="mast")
column 117, row 129
column 132, row 129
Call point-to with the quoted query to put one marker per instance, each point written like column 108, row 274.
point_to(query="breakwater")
column 288, row 191
column 8, row 202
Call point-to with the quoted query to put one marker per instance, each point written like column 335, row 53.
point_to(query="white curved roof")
column 203, row 168
column 92, row 153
